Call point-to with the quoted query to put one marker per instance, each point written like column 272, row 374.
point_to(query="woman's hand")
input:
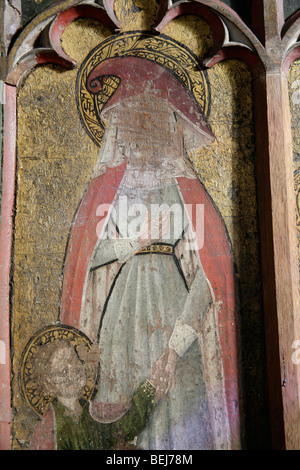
column 162, row 374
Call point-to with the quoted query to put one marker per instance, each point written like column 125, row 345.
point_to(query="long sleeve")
column 115, row 435
column 116, row 249
column 187, row 325
column 135, row 419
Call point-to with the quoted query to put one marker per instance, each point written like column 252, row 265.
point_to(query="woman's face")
column 145, row 126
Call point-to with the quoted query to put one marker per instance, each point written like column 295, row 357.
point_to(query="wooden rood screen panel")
column 121, row 334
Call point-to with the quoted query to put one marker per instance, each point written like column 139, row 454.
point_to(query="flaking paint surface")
column 55, row 163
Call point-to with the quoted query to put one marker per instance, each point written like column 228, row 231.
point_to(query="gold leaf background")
column 55, row 161
column 294, row 93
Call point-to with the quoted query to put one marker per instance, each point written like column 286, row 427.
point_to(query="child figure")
column 67, row 423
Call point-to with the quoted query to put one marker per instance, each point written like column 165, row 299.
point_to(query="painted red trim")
column 83, row 239
column 8, row 198
column 238, row 53
column 202, row 12
column 66, row 17
column 216, row 258
column 293, row 54
column 32, row 60
column 167, row 86
column 51, row 57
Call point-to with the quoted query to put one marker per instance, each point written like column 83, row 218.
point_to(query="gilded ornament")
column 35, row 395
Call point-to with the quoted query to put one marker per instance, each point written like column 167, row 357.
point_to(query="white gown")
column 138, row 305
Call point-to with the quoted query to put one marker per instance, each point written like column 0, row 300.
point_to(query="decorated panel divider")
column 139, row 269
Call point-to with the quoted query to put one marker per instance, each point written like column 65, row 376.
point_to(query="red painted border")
column 9, row 160
column 238, row 53
column 293, row 54
column 67, row 16
column 216, row 258
column 201, row 11
column 83, row 239
column 34, row 59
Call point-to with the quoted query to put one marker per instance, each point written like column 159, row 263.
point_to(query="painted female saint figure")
column 148, row 265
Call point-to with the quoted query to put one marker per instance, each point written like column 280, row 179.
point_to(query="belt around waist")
column 159, row 248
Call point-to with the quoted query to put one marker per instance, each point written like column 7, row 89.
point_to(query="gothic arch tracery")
column 268, row 51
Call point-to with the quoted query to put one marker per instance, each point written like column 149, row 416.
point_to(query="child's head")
column 59, row 369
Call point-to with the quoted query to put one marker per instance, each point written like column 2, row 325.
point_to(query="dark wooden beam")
column 278, row 234
column 279, row 255
column 276, row 205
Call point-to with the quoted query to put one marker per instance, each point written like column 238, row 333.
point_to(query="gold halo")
column 35, row 396
column 163, row 50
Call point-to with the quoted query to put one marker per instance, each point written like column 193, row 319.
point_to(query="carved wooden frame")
column 268, row 49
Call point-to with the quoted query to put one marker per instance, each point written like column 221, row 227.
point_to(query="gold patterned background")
column 55, row 161
column 294, row 92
